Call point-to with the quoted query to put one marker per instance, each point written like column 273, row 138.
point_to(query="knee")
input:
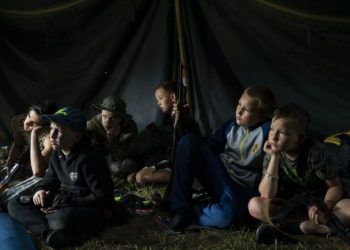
column 342, row 205
column 227, row 215
column 255, row 208
column 139, row 177
column 342, row 211
column 309, row 227
column 144, row 175
column 60, row 221
column 224, row 220
column 222, row 216
column 58, row 224
column 13, row 206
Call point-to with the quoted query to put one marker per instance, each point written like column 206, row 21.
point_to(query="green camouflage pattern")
column 120, row 147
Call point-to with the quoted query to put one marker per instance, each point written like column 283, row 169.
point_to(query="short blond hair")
column 296, row 114
column 264, row 97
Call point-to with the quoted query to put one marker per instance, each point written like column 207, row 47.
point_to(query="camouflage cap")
column 112, row 104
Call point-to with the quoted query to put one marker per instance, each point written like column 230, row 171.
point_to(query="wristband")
column 271, row 177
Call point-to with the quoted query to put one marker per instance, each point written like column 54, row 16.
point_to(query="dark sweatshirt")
column 84, row 176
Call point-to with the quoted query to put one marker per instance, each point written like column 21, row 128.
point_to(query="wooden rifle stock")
column 181, row 101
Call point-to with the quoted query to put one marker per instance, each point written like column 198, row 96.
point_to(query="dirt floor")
column 142, row 232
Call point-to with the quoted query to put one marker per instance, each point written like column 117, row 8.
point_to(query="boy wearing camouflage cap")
column 113, row 132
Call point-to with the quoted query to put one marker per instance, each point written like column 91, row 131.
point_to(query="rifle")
column 13, row 171
column 332, row 220
column 181, row 101
column 305, row 200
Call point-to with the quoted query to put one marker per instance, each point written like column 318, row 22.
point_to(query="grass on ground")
column 142, row 232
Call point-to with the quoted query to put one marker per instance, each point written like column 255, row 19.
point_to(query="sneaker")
column 267, row 234
column 178, row 222
column 58, row 239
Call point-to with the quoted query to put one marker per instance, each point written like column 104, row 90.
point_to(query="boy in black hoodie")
column 77, row 189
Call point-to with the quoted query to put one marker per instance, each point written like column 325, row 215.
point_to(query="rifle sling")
column 313, row 239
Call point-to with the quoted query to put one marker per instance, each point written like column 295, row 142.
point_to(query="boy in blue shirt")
column 227, row 164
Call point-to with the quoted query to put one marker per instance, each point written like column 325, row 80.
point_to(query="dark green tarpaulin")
column 77, row 52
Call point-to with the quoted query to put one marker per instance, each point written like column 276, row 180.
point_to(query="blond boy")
column 227, row 164
column 294, row 164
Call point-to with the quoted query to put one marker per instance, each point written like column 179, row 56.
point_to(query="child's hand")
column 36, row 130
column 144, row 174
column 316, row 215
column 181, row 115
column 40, row 197
column 267, row 148
column 176, row 113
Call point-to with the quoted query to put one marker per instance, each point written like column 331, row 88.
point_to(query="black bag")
column 338, row 145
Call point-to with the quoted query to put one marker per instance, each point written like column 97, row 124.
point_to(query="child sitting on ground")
column 227, row 164
column 113, row 132
column 32, row 139
column 154, row 147
column 295, row 164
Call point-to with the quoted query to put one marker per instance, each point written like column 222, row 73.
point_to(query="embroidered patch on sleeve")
column 255, row 148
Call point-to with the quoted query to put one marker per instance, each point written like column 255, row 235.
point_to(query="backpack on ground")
column 338, row 145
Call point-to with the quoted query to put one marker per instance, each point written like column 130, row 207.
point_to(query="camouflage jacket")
column 120, row 147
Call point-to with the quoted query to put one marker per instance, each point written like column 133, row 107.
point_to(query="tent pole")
column 182, row 49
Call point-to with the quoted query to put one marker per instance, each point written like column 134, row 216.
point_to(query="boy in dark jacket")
column 77, row 189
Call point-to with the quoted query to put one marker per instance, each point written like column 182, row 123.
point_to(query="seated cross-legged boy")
column 227, row 164
column 76, row 191
column 296, row 164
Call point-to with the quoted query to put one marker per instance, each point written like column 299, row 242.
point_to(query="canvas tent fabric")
column 77, row 57
column 79, row 53
column 302, row 60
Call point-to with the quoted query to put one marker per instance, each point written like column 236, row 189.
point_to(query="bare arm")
column 18, row 143
column 39, row 159
column 333, row 195
column 334, row 192
column 269, row 182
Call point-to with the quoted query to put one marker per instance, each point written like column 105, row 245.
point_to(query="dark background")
column 78, row 52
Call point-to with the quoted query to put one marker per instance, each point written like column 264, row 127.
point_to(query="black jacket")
column 83, row 176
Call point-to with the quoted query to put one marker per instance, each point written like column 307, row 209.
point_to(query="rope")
column 182, row 49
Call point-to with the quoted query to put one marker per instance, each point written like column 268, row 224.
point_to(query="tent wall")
column 236, row 44
column 78, row 55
